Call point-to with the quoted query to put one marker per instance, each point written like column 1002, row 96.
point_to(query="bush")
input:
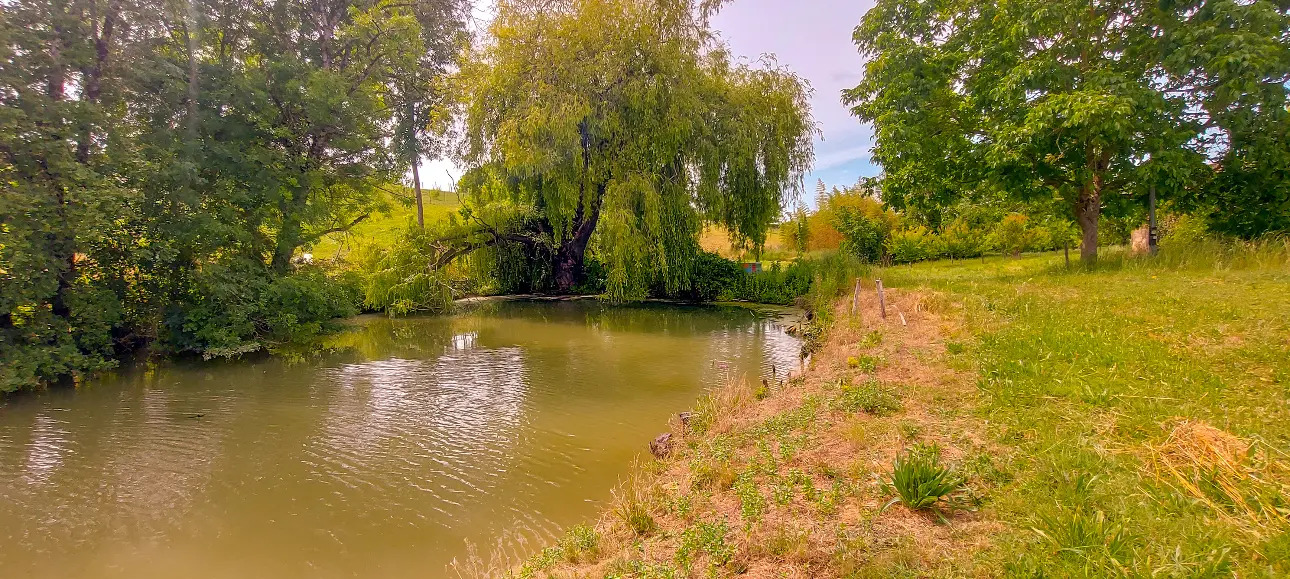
column 961, row 241
column 712, row 278
column 911, row 245
column 1013, row 235
column 862, row 235
column 241, row 307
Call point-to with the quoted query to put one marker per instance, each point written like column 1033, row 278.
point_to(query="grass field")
column 382, row 229
column 1132, row 420
column 1145, row 404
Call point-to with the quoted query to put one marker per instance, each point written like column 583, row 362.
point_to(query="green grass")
column 1084, row 373
column 383, row 229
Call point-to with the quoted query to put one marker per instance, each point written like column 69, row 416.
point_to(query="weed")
column 705, row 538
column 864, row 363
column 955, row 348
column 1087, row 537
column 684, row 506
column 751, row 502
column 787, row 543
column 636, row 516
column 581, row 543
column 641, row 570
column 873, row 338
column 869, row 396
column 920, row 481
column 782, row 492
column 909, row 429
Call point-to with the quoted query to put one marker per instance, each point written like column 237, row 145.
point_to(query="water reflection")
column 505, row 423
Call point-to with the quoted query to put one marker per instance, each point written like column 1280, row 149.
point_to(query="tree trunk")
column 1088, row 210
column 416, row 185
column 569, row 258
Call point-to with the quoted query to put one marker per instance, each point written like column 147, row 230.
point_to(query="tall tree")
column 624, row 121
column 1061, row 100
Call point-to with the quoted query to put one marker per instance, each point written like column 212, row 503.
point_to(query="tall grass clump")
column 920, row 481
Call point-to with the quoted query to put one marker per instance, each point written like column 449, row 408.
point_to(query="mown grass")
column 1098, row 379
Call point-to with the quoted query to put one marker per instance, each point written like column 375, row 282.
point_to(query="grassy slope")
column 382, row 229
column 1120, row 391
column 1129, row 421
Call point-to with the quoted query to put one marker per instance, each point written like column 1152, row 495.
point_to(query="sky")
column 813, row 38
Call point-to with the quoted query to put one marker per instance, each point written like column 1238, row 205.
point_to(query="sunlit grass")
column 383, row 229
column 1087, row 372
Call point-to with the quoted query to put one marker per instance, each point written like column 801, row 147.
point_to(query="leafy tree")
column 624, row 122
column 1064, row 100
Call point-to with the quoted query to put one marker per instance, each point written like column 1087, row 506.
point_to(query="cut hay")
column 1237, row 479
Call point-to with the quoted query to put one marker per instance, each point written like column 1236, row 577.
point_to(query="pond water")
column 390, row 456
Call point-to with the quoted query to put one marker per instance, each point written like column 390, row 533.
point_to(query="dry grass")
column 1234, row 477
column 788, row 485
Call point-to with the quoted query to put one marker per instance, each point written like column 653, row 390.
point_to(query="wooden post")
column 855, row 297
column 1153, row 232
column 882, row 299
column 1067, row 249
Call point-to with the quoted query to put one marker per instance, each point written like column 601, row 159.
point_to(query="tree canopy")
column 619, row 127
column 1080, row 105
column 164, row 162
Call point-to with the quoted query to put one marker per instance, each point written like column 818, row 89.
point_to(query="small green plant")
column 684, row 506
column 853, row 362
column 869, row 396
column 873, row 338
column 751, row 502
column 909, row 429
column 955, row 347
column 920, row 481
column 581, row 543
column 782, row 492
column 704, row 537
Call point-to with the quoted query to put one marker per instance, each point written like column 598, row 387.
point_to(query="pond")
column 412, row 443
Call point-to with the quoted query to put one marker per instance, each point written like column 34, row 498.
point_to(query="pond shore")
column 778, row 476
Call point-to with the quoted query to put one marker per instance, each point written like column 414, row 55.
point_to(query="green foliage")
column 623, row 126
column 1080, row 110
column 705, row 538
column 163, row 168
column 915, row 244
column 1013, row 235
column 869, row 396
column 920, row 481
column 862, row 235
column 240, row 307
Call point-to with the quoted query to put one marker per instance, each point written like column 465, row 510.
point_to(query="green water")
column 413, row 441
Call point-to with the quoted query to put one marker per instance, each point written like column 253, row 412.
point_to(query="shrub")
column 920, row 481
column 862, row 235
column 712, row 277
column 1013, row 235
column 912, row 245
column 240, row 307
column 961, row 241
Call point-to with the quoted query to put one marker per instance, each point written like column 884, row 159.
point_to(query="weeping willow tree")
column 619, row 127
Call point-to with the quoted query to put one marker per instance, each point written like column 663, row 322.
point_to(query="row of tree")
column 166, row 165
column 1082, row 107
column 163, row 162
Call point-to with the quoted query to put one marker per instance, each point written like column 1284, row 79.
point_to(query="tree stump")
column 661, row 446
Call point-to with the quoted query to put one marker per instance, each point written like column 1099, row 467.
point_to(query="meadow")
column 1144, row 402
column 1128, row 419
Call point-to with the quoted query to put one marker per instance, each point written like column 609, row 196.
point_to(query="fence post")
column 855, row 297
column 882, row 299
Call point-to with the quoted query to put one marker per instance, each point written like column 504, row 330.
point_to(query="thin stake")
column 855, row 297
column 882, row 299
column 902, row 318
